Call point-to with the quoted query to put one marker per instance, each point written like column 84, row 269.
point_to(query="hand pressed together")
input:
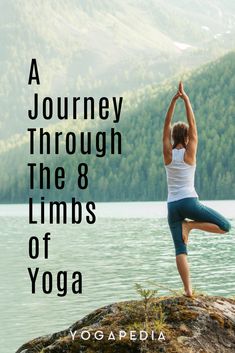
column 180, row 93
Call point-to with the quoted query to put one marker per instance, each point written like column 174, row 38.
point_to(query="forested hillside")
column 139, row 173
column 92, row 47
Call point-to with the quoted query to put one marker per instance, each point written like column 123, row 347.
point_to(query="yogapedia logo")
column 133, row 335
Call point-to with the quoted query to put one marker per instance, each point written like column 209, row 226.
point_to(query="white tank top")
column 180, row 177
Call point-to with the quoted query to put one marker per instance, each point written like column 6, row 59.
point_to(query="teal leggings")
column 191, row 208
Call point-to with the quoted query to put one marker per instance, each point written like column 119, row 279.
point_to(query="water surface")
column 129, row 243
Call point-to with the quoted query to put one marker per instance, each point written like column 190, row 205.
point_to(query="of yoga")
column 185, row 211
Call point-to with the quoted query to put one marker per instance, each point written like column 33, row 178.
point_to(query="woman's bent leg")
column 187, row 226
column 195, row 210
column 205, row 218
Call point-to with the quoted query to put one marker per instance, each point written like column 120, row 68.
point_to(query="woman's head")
column 180, row 134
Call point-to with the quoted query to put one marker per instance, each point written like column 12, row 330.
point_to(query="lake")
column 129, row 243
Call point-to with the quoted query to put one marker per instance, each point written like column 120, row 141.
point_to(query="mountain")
column 100, row 47
column 138, row 174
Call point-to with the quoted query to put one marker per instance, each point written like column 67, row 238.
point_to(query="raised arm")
column 166, row 138
column 191, row 149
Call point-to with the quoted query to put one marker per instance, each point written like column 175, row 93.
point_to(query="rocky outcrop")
column 203, row 324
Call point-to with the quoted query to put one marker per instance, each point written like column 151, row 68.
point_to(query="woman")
column 182, row 201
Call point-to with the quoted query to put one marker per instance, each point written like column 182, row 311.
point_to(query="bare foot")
column 188, row 293
column 185, row 231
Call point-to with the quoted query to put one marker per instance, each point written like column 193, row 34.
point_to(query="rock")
column 165, row 324
column 184, row 329
column 182, row 339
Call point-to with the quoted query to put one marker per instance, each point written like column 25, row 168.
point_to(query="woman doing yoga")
column 182, row 201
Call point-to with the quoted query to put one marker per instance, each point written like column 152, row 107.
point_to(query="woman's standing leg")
column 175, row 223
column 183, row 269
